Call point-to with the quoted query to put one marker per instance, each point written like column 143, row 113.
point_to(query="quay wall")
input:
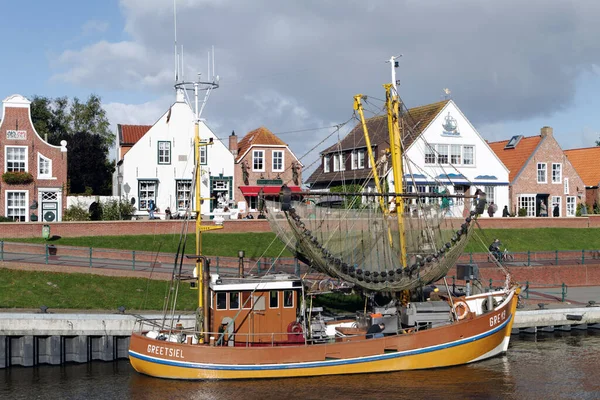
column 160, row 227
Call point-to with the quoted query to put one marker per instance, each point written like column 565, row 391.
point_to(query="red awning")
column 267, row 190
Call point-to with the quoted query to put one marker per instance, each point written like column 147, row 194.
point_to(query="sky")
column 294, row 66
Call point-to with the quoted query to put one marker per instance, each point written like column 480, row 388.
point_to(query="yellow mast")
column 358, row 107
column 391, row 101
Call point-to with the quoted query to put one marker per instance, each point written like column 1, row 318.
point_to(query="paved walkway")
column 551, row 297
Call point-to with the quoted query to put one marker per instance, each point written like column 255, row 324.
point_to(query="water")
column 553, row 366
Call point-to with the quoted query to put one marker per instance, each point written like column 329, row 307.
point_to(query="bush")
column 113, row 210
column 522, row 212
column 17, row 178
column 76, row 212
column 5, row 219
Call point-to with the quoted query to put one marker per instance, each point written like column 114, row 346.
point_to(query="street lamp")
column 241, row 255
column 119, row 185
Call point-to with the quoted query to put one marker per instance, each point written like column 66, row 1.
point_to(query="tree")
column 87, row 131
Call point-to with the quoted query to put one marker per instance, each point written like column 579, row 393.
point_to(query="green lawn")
column 27, row 289
column 213, row 244
column 542, row 239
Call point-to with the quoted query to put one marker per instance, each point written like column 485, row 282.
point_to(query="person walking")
column 505, row 212
column 543, row 209
column 492, row 209
column 556, row 211
column 151, row 208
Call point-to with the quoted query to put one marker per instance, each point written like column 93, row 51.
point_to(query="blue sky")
column 296, row 65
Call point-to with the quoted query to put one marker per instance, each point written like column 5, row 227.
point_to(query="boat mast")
column 392, row 106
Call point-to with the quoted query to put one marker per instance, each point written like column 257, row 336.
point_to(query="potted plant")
column 17, row 178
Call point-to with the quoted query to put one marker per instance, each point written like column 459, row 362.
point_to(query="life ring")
column 294, row 327
column 461, row 309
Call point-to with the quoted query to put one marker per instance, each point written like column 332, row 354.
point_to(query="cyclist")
column 495, row 249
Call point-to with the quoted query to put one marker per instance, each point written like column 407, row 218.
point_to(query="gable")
column 515, row 158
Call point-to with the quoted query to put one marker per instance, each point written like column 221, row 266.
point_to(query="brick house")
column 262, row 162
column 41, row 195
column 585, row 162
column 446, row 153
column 540, row 172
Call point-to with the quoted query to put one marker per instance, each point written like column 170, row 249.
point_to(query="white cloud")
column 94, row 26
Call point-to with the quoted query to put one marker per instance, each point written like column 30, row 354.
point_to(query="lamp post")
column 241, row 255
column 119, row 185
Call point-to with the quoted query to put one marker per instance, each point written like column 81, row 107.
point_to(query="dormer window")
column 325, row 163
column 512, row 143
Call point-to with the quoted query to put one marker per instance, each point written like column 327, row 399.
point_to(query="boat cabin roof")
column 266, row 282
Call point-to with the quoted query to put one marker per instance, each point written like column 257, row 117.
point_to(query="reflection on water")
column 552, row 366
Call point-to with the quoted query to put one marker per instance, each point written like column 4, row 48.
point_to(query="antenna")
column 394, row 64
column 175, row 28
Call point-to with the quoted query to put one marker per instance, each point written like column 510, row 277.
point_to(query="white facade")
column 467, row 162
column 160, row 165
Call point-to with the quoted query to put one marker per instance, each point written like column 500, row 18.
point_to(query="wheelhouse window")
column 258, row 160
column 288, row 298
column 527, row 202
column 183, row 194
column 325, row 163
column 44, row 167
column 277, row 161
column 556, row 173
column 442, row 153
column 234, row 300
column 16, row 158
column 146, row 192
column 221, row 300
column 542, row 173
column 164, row 152
column 273, row 299
column 16, row 205
column 246, row 300
column 468, row 155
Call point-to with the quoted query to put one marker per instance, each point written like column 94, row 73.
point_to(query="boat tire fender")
column 461, row 309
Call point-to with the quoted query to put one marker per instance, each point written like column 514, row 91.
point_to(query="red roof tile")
column 514, row 159
column 130, row 134
column 261, row 136
column 585, row 162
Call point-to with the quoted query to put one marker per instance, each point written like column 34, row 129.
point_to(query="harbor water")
column 543, row 366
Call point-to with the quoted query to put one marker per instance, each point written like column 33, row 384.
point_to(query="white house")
column 157, row 162
column 450, row 155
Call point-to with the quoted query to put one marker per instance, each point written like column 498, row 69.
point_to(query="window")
column 246, row 300
column 16, row 205
column 44, row 167
column 221, row 300
column 288, row 298
column 354, row 160
column 490, row 194
column 358, row 159
column 528, row 203
column 442, row 153
column 571, row 208
column 556, row 173
column 429, row 154
column 566, row 181
column 16, row 158
column 164, row 152
column 556, row 206
column 277, row 160
column 234, row 300
column 146, row 192
column 338, row 162
column 203, row 153
column 542, row 173
column 183, row 194
column 468, row 155
column 258, row 160
column 273, row 299
column 455, row 154
column 252, row 202
column 325, row 163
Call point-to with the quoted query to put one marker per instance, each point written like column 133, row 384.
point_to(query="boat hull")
column 459, row 343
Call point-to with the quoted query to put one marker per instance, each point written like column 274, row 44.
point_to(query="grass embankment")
column 26, row 289
column 263, row 244
column 21, row 289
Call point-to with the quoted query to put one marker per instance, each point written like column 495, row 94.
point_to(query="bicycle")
column 501, row 257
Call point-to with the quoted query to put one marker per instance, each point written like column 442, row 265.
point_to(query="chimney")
column 233, row 143
column 546, row 131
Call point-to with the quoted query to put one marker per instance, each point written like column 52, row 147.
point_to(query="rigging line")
column 294, row 131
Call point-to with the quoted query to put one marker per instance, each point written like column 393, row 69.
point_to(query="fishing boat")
column 389, row 246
